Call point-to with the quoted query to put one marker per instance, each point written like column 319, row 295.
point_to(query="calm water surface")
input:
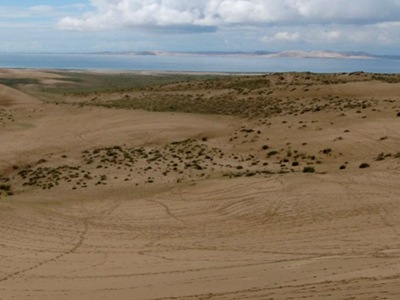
column 194, row 63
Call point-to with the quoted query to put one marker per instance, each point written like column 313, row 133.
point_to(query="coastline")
column 195, row 64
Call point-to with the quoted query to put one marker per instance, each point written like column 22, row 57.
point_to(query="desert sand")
column 276, row 186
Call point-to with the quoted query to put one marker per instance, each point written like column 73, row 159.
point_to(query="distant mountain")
column 267, row 54
column 321, row 54
column 218, row 53
column 151, row 53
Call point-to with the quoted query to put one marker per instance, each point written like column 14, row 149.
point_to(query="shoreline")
column 3, row 70
column 195, row 64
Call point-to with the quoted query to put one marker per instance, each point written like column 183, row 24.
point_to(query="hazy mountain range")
column 267, row 54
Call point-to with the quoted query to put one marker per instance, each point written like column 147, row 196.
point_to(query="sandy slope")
column 334, row 234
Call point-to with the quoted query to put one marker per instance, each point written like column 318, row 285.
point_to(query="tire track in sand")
column 75, row 247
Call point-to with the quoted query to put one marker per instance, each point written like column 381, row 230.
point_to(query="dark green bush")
column 308, row 170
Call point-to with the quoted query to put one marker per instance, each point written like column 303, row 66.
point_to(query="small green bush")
column 271, row 153
column 308, row 170
column 381, row 156
column 5, row 187
column 327, row 151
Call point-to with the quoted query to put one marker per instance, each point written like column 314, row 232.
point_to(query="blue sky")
column 199, row 25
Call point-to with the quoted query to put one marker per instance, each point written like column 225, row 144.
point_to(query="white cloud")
column 389, row 25
column 239, row 25
column 43, row 12
column 328, row 36
column 333, row 35
column 282, row 36
column 287, row 36
column 164, row 13
column 345, row 11
column 41, row 9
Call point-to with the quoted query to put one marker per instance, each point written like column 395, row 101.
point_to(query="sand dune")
column 105, row 203
column 13, row 97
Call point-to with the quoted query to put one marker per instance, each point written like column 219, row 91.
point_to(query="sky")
column 371, row 26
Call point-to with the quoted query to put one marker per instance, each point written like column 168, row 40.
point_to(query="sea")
column 194, row 63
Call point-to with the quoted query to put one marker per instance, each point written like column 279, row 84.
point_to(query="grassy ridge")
column 15, row 82
column 246, row 96
column 240, row 95
column 85, row 83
